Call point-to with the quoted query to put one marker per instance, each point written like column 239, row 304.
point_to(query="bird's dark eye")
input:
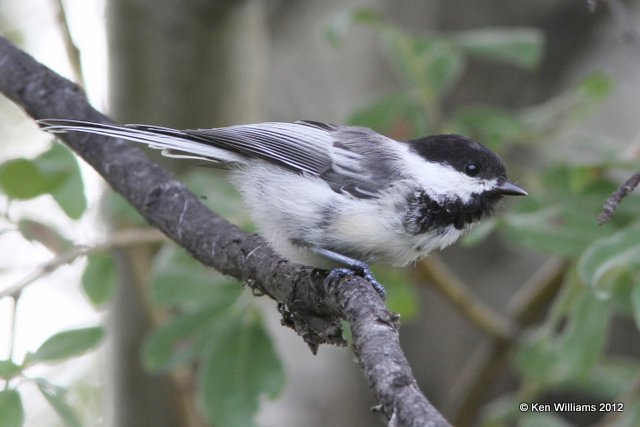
column 472, row 169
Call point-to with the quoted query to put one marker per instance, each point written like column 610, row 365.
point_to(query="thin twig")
column 12, row 334
column 13, row 326
column 73, row 53
column 125, row 238
column 444, row 280
column 614, row 200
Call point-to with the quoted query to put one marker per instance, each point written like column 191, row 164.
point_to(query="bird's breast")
column 425, row 213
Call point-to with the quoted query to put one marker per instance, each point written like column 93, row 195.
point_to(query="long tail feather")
column 172, row 142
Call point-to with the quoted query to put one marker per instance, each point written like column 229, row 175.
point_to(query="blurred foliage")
column 567, row 351
column 55, row 174
column 221, row 330
column 429, row 68
column 11, row 409
column 99, row 278
column 213, row 324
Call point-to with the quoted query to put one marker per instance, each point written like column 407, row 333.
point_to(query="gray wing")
column 351, row 160
column 299, row 147
column 363, row 162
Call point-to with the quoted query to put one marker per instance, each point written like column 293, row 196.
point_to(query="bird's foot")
column 355, row 266
column 362, row 271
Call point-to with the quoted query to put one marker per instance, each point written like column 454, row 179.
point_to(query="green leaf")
column 11, row 411
column 368, row 16
column 404, row 300
column 494, row 127
column 241, row 367
column 56, row 396
column 610, row 256
column 609, row 378
column 548, row 359
column 54, row 172
column 69, row 193
column 67, row 344
column 431, row 66
column 178, row 279
column 398, row 115
column 185, row 337
column 620, row 288
column 47, row 235
column 171, row 344
column 22, row 179
column 522, row 47
column 537, row 359
column 99, row 278
column 206, row 299
column 8, row 369
column 402, row 294
column 335, row 31
column 585, row 335
column 547, row 220
column 595, row 87
column 554, row 230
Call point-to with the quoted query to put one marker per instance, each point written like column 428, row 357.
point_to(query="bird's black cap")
column 458, row 152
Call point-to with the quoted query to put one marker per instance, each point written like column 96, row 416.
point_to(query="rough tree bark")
column 310, row 304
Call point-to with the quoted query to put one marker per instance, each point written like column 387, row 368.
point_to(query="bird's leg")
column 354, row 265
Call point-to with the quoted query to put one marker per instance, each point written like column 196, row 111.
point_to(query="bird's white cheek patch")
column 443, row 182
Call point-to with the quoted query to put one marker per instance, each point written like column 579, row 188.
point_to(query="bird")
column 339, row 197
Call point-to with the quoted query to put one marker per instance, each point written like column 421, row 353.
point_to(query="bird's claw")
column 364, row 272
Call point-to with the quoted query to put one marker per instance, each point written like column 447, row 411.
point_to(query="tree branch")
column 487, row 361
column 445, row 281
column 120, row 239
column 310, row 304
column 615, row 199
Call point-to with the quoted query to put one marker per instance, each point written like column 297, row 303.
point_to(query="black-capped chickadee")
column 326, row 195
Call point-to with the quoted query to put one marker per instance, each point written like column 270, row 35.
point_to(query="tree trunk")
column 181, row 64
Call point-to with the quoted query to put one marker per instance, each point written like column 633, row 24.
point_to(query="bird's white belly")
column 290, row 209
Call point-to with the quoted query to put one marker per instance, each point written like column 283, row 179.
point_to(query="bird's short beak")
column 508, row 188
